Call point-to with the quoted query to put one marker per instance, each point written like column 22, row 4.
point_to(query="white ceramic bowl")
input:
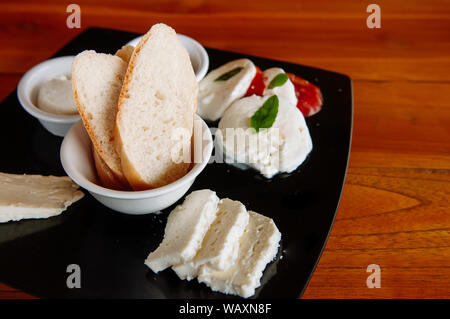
column 29, row 86
column 197, row 54
column 76, row 158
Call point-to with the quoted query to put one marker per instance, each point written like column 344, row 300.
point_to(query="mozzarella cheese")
column 55, row 96
column 215, row 97
column 258, row 246
column 286, row 91
column 186, row 227
column 281, row 148
column 219, row 248
column 35, row 196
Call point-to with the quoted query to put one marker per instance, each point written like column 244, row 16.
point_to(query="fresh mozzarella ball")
column 281, row 148
column 286, row 91
column 216, row 95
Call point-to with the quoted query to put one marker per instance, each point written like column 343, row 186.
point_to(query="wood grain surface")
column 395, row 206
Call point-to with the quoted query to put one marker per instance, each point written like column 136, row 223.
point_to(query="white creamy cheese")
column 186, row 227
column 35, row 196
column 287, row 90
column 229, row 255
column 55, row 96
column 219, row 248
column 214, row 97
column 281, row 148
column 258, row 246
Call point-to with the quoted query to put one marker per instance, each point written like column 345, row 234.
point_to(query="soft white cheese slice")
column 219, row 248
column 281, row 148
column 214, row 97
column 35, row 196
column 258, row 246
column 286, row 91
column 186, row 227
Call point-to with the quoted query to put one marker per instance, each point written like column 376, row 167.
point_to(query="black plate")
column 110, row 248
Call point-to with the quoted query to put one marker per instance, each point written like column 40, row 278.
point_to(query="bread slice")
column 258, row 246
column 96, row 82
column 125, row 53
column 35, row 196
column 220, row 246
column 186, row 227
column 106, row 175
column 156, row 108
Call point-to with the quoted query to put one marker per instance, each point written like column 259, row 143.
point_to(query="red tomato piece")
column 257, row 86
column 309, row 97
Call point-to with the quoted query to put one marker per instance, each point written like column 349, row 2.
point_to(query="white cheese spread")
column 55, row 96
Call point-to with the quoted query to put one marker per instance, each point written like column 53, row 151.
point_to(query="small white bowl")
column 197, row 54
column 77, row 161
column 28, row 88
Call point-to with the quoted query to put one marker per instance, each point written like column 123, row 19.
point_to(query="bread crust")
column 125, row 53
column 106, row 175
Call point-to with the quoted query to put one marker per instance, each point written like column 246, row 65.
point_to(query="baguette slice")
column 106, row 175
column 156, row 104
column 35, row 196
column 125, row 53
column 96, row 82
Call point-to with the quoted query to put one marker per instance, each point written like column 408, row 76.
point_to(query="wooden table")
column 395, row 206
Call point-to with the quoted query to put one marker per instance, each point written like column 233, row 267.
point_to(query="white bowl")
column 28, row 88
column 77, row 161
column 197, row 54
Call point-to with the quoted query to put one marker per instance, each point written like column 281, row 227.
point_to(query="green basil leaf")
column 279, row 80
column 229, row 74
column 265, row 116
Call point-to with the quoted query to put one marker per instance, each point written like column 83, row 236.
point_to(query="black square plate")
column 110, row 248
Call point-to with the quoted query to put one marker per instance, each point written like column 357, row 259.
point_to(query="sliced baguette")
column 96, row 82
column 158, row 99
column 106, row 175
column 125, row 53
